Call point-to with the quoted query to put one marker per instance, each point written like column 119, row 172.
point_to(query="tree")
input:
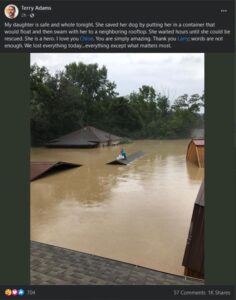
column 124, row 119
column 93, row 86
column 43, row 89
column 82, row 95
column 185, row 114
column 68, row 100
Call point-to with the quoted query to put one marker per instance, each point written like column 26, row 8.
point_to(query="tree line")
column 81, row 95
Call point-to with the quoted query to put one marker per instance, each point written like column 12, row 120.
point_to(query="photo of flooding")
column 138, row 213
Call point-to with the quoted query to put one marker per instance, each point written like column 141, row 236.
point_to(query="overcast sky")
column 170, row 74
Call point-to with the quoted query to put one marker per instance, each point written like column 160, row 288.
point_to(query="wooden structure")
column 87, row 137
column 193, row 260
column 196, row 152
column 41, row 168
column 130, row 158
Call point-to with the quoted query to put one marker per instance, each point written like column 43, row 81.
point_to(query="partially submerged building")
column 39, row 169
column 128, row 160
column 193, row 260
column 196, row 152
column 87, row 137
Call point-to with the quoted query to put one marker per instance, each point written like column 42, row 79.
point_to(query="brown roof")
column 194, row 251
column 40, row 168
column 87, row 136
column 196, row 152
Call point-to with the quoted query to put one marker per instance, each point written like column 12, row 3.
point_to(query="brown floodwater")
column 139, row 213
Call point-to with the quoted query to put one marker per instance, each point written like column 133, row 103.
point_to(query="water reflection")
column 138, row 213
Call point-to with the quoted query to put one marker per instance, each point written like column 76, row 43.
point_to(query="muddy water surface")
column 138, row 213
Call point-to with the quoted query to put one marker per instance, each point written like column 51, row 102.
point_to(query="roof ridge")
column 92, row 129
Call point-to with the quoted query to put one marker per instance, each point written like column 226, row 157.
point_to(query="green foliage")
column 82, row 95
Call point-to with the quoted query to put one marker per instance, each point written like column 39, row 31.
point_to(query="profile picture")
column 11, row 11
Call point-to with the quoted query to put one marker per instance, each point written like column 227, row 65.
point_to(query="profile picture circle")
column 11, row 11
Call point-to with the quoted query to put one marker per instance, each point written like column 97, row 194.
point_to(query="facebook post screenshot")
column 118, row 143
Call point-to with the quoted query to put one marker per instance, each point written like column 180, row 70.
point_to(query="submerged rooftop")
column 85, row 137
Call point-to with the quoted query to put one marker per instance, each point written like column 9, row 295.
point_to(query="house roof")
column 87, row 136
column 40, row 168
column 126, row 161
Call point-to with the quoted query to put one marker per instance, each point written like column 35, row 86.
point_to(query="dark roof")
column 40, row 168
column 55, row 265
column 87, row 136
column 130, row 158
column 194, row 251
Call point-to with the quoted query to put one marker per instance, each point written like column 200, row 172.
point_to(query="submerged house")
column 39, row 169
column 87, row 137
column 193, row 260
column 196, row 152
